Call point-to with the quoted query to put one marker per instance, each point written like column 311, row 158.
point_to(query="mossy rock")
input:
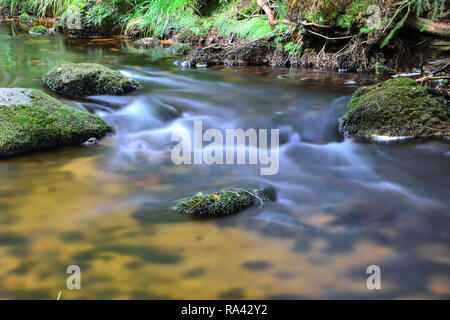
column 396, row 108
column 38, row 30
column 223, row 203
column 87, row 79
column 147, row 42
column 24, row 17
column 32, row 120
column 180, row 49
column 382, row 70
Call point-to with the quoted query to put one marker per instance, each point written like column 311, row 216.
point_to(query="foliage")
column 48, row 7
column 249, row 29
column 426, row 8
column 293, row 48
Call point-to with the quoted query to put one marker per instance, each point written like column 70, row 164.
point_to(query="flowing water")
column 342, row 205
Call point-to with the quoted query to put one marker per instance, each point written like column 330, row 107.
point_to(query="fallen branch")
column 440, row 29
column 329, row 38
column 431, row 77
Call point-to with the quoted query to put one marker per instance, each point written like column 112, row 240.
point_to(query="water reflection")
column 341, row 205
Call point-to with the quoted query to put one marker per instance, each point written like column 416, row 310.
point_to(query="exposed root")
column 264, row 4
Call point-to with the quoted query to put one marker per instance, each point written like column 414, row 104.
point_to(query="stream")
column 342, row 205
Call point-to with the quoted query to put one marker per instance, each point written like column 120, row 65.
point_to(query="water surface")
column 342, row 204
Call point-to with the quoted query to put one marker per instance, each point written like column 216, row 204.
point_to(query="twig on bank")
column 329, row 38
column 431, row 77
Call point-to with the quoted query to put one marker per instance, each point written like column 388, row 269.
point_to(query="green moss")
column 180, row 49
column 38, row 30
column 247, row 29
column 25, row 18
column 40, row 121
column 251, row 8
column 397, row 107
column 84, row 79
column 293, row 48
column 337, row 12
column 221, row 203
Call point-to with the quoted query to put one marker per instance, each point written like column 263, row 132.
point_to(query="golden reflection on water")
column 69, row 213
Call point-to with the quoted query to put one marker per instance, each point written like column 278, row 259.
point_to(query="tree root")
column 264, row 4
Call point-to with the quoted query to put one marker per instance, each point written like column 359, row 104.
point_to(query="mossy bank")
column 397, row 108
column 32, row 120
column 86, row 79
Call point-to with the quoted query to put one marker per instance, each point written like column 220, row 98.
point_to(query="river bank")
column 345, row 36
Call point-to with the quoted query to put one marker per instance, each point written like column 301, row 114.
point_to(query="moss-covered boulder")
column 396, row 108
column 180, row 49
column 86, row 79
column 32, row 120
column 225, row 202
column 38, row 30
column 25, row 18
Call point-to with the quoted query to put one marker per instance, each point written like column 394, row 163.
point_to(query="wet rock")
column 225, row 202
column 32, row 120
column 396, row 108
column 185, row 64
column 91, row 141
column 180, row 49
column 38, row 30
column 86, row 79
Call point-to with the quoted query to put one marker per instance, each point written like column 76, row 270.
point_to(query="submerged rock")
column 180, row 49
column 86, row 79
column 32, row 120
column 223, row 203
column 38, row 30
column 396, row 108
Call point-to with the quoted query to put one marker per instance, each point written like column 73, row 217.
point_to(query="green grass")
column 248, row 29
